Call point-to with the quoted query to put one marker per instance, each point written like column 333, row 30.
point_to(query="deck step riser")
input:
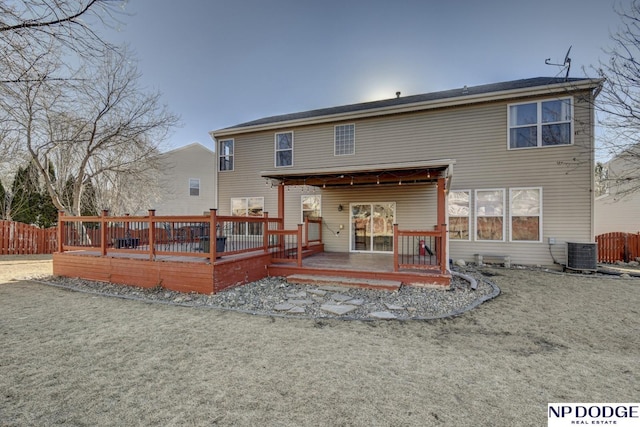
column 303, row 279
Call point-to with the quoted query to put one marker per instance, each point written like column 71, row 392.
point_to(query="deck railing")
column 192, row 236
column 313, row 230
column 420, row 249
column 153, row 235
column 288, row 245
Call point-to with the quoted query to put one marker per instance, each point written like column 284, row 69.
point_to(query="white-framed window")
column 525, row 214
column 311, row 206
column 284, row 149
column 540, row 123
column 225, row 154
column 194, row 186
column 459, row 208
column 249, row 207
column 345, row 140
column 490, row 215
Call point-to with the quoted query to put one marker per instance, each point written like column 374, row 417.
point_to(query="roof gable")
column 189, row 147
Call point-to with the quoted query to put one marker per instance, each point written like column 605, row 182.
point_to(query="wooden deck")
column 197, row 274
column 183, row 275
column 374, row 266
column 174, row 252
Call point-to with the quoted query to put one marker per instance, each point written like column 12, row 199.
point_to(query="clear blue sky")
column 222, row 62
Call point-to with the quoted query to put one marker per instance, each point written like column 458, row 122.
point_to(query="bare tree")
column 28, row 28
column 619, row 102
column 34, row 32
column 93, row 128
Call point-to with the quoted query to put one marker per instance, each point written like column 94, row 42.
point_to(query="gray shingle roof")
column 433, row 96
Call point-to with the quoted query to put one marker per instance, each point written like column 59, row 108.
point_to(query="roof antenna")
column 566, row 63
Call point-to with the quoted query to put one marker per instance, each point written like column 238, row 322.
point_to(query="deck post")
column 152, row 235
column 213, row 234
column 103, row 232
column 443, row 251
column 441, row 202
column 396, row 266
column 299, row 261
column 61, row 231
column 306, row 233
column 281, row 204
column 127, row 227
column 265, row 232
column 445, row 246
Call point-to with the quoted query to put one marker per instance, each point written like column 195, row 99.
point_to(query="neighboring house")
column 507, row 167
column 188, row 181
column 618, row 208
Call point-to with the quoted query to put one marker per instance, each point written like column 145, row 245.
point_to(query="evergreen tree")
column 29, row 202
column 48, row 212
column 3, row 202
column 26, row 195
column 89, row 203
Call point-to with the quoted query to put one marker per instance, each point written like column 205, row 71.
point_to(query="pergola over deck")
column 406, row 173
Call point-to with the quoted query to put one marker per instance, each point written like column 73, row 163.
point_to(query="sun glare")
column 380, row 92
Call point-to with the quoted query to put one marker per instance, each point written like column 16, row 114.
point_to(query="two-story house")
column 507, row 168
column 618, row 207
column 187, row 184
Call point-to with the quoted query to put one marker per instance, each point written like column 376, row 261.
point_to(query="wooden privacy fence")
column 17, row 238
column 618, row 246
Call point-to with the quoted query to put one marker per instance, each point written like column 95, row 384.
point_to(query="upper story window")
column 194, row 187
column 345, row 140
column 540, row 124
column 225, row 154
column 284, row 149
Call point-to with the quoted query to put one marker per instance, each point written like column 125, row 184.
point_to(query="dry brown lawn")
column 80, row 359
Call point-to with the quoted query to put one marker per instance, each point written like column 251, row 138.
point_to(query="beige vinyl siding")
column 619, row 210
column 193, row 161
column 565, row 175
column 252, row 153
column 474, row 136
column 621, row 215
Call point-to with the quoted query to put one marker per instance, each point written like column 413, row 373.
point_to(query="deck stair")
column 319, row 280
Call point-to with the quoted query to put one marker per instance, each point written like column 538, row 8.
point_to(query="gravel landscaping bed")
column 273, row 296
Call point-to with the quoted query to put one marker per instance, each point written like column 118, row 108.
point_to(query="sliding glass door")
column 372, row 227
